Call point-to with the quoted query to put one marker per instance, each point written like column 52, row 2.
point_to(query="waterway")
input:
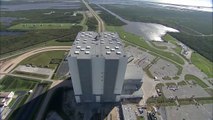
column 149, row 31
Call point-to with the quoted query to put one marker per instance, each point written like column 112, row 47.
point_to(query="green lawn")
column 32, row 26
column 134, row 39
column 171, row 84
column 203, row 64
column 11, row 83
column 170, row 39
column 43, row 59
column 159, row 47
column 166, row 78
column 31, row 74
column 198, row 81
column 181, row 83
column 209, row 91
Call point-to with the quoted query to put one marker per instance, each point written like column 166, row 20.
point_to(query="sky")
column 206, row 3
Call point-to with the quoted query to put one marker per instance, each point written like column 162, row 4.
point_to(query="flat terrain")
column 9, row 83
column 44, row 59
column 33, row 26
column 189, row 112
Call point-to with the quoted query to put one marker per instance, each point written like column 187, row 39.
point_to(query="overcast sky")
column 207, row 3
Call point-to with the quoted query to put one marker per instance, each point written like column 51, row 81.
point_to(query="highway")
column 8, row 66
column 101, row 27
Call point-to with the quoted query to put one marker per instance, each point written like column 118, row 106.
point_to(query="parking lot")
column 185, row 92
column 188, row 112
column 139, row 57
column 163, row 68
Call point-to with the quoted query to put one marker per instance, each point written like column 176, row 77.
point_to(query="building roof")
column 128, row 112
column 92, row 44
column 133, row 72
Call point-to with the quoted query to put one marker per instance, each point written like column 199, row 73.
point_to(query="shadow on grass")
column 41, row 104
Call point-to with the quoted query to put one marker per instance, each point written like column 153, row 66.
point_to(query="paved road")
column 8, row 66
column 101, row 27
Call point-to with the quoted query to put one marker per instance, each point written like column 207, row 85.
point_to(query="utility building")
column 97, row 65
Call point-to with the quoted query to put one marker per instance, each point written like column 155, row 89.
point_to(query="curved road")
column 8, row 66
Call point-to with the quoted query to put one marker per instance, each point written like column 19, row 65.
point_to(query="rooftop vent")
column 108, row 52
column 78, row 47
column 87, row 52
column 118, row 52
column 82, row 49
column 88, row 47
column 76, row 52
column 112, row 49
column 107, row 47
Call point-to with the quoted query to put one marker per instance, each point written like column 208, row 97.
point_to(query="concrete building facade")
column 97, row 65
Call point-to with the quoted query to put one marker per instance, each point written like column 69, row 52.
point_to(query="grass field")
column 33, row 26
column 142, row 43
column 198, row 81
column 31, row 74
column 11, row 83
column 43, row 59
column 174, row 41
column 34, row 37
column 181, row 83
column 203, row 64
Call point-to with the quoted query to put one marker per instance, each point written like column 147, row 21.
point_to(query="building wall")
column 120, row 75
column 85, row 74
column 98, row 75
column 111, row 69
column 75, row 75
column 97, row 79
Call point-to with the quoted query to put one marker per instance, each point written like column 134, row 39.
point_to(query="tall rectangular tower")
column 97, row 65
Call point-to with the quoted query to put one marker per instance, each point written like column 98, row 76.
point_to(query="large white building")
column 97, row 65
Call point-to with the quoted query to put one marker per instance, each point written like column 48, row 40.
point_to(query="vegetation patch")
column 92, row 24
column 166, row 78
column 44, row 59
column 34, row 37
column 170, row 84
column 175, row 78
column 181, row 83
column 195, row 79
column 108, row 18
column 11, row 83
column 33, row 26
column 55, row 61
column 157, row 46
column 31, row 74
column 44, row 16
column 203, row 64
